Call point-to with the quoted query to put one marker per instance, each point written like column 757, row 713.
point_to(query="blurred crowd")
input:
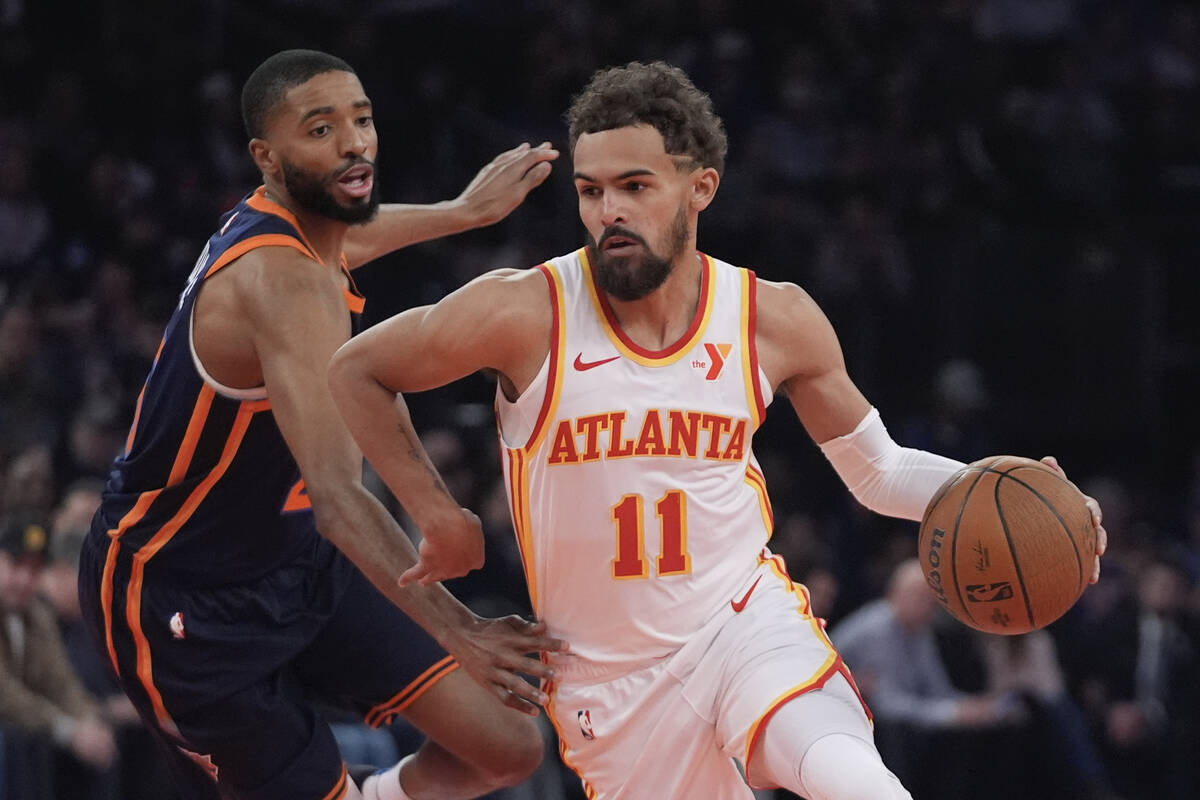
column 993, row 200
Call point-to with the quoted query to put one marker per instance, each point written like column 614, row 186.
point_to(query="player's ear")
column 704, row 187
column 264, row 156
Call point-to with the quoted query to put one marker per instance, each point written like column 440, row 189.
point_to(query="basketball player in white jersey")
column 632, row 376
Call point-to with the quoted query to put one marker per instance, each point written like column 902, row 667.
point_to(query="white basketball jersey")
column 638, row 505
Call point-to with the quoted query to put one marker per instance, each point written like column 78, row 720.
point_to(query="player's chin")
column 362, row 212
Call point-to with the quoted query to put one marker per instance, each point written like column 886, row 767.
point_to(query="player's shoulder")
column 524, row 287
column 783, row 303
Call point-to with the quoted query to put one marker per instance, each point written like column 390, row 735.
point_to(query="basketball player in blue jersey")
column 632, row 375
column 237, row 567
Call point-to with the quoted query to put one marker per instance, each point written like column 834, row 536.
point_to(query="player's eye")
column 365, row 120
column 589, row 191
column 320, row 130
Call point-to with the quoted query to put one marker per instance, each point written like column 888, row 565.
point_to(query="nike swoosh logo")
column 738, row 605
column 581, row 365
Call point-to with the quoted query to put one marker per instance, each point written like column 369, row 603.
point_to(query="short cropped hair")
column 655, row 94
column 271, row 80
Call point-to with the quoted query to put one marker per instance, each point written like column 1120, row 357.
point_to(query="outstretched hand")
column 449, row 549
column 504, row 182
column 1097, row 518
column 495, row 652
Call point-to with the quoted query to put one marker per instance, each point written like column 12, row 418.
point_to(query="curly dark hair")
column 267, row 85
column 656, row 94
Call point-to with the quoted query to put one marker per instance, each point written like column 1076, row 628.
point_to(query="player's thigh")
column 262, row 743
column 638, row 737
column 372, row 657
column 472, row 724
column 770, row 655
column 795, row 726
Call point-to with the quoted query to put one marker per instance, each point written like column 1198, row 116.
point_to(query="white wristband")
column 882, row 475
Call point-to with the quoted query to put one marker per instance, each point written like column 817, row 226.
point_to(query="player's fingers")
column 1094, row 507
column 516, row 701
column 521, row 689
column 413, row 574
column 1101, row 540
column 511, row 155
column 546, row 644
column 536, row 174
column 1052, row 462
column 534, row 638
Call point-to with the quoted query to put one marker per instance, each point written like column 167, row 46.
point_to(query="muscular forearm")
column 363, row 529
column 394, row 449
column 399, row 225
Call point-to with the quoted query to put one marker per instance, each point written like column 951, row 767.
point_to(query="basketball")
column 1007, row 545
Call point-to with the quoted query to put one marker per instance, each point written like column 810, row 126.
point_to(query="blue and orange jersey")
column 206, row 485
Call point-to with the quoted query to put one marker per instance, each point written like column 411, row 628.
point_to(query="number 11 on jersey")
column 673, row 557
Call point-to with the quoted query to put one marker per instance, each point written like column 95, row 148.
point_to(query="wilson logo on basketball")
column 989, row 592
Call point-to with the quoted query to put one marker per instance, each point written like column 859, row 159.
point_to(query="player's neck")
column 659, row 319
column 325, row 235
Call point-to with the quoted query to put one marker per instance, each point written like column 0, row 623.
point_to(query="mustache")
column 357, row 161
column 624, row 233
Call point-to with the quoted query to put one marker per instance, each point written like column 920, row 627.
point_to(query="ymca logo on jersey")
column 585, row 725
column 715, row 364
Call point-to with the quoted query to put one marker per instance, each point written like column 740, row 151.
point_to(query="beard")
column 309, row 192
column 632, row 277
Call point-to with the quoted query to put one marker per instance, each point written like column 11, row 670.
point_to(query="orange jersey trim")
column 340, row 788
column 183, row 459
column 133, row 606
column 558, row 337
column 631, row 349
column 137, row 412
column 759, row 484
column 253, row 243
column 259, row 202
column 386, row 711
column 106, row 598
column 831, row 667
column 754, row 393
column 518, row 485
column 564, row 752
column 191, row 436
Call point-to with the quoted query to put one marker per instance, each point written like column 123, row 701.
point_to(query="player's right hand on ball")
column 496, row 652
column 450, row 548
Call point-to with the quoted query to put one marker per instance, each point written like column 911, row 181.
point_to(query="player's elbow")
column 344, row 368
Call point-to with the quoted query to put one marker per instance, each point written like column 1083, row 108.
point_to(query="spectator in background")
column 921, row 719
column 27, row 382
column 1061, row 750
column 29, row 480
column 25, row 224
column 44, row 706
column 139, row 773
column 1141, row 688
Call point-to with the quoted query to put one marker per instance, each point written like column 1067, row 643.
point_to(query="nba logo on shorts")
column 176, row 625
column 585, row 724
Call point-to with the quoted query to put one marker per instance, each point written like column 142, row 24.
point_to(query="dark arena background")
column 996, row 202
